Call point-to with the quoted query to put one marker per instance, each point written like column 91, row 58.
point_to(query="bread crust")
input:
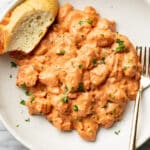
column 22, row 11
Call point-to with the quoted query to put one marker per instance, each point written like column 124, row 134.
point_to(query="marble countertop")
column 8, row 142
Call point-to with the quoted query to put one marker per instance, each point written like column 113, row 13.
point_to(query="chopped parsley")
column 72, row 63
column 28, row 93
column 125, row 67
column 113, row 97
column 23, row 86
column 79, row 119
column 27, row 120
column 75, row 108
column 64, row 99
column 121, row 45
column 81, row 22
column 13, row 64
column 106, row 105
column 72, row 89
column 80, row 87
column 32, row 99
column 89, row 21
column 17, row 125
column 80, row 66
column 102, row 35
column 23, row 102
column 129, row 60
column 102, row 61
column 61, row 52
column 94, row 62
column 66, row 88
column 10, row 76
column 117, row 132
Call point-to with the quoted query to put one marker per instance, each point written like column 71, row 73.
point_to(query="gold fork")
column 144, row 83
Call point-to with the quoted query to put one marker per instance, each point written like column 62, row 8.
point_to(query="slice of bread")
column 28, row 24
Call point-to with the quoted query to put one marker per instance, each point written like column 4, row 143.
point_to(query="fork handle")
column 132, row 145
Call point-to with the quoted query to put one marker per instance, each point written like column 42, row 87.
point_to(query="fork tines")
column 144, row 53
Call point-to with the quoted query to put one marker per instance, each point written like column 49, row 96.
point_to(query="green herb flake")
column 72, row 89
column 89, row 21
column 102, row 61
column 32, row 99
column 121, row 45
column 23, row 102
column 72, row 63
column 61, row 52
column 81, row 22
column 10, row 76
column 129, row 60
column 64, row 99
column 13, row 64
column 106, row 105
column 102, row 35
column 113, row 97
column 66, row 88
column 75, row 108
column 80, row 87
column 23, row 86
column 42, row 67
column 79, row 119
column 17, row 125
column 27, row 120
column 94, row 62
column 80, row 66
column 125, row 67
column 28, row 93
column 117, row 132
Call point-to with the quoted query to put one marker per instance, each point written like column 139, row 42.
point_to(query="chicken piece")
column 80, row 24
column 117, row 93
column 63, row 12
column 105, row 24
column 121, row 44
column 49, row 76
column 82, row 106
column 99, row 74
column 108, row 114
column 90, row 10
column 42, row 48
column 101, row 38
column 27, row 75
column 86, row 80
column 63, row 47
column 129, row 64
column 71, row 76
column 38, row 106
column 132, row 88
column 39, row 90
column 62, row 122
column 60, row 103
column 38, row 62
column 115, row 66
column 87, row 54
column 87, row 129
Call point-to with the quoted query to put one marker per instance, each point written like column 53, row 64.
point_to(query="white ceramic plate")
column 133, row 19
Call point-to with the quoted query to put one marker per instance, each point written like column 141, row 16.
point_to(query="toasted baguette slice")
column 28, row 24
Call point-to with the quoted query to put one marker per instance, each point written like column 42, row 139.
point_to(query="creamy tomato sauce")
column 82, row 74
